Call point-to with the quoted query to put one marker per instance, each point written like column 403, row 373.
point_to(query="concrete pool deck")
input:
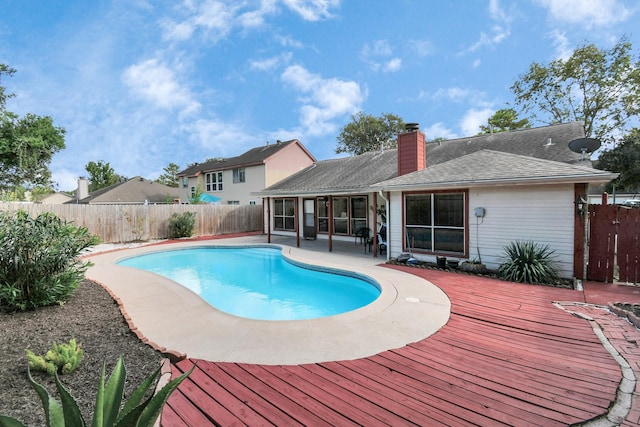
column 408, row 310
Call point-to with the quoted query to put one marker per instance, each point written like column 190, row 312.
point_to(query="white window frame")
column 213, row 181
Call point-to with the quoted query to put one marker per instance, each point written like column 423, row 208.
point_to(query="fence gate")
column 614, row 244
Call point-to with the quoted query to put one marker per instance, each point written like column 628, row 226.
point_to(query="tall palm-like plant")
column 528, row 262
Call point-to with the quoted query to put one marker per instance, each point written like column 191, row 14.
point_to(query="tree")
column 367, row 133
column 170, row 177
column 504, row 120
column 27, row 144
column 600, row 88
column 624, row 158
column 101, row 175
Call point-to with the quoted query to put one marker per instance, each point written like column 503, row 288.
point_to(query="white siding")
column 543, row 214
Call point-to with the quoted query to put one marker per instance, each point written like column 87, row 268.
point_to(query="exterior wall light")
column 581, row 205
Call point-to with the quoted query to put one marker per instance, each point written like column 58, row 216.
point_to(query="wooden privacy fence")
column 126, row 223
column 614, row 244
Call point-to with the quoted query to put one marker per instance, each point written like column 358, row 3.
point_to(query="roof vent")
column 411, row 127
column 278, row 142
column 549, row 141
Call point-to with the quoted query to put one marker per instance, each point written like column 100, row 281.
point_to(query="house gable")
column 136, row 190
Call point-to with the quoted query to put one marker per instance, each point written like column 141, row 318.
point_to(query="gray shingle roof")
column 254, row 156
column 487, row 167
column 529, row 146
column 525, row 142
column 346, row 174
column 135, row 190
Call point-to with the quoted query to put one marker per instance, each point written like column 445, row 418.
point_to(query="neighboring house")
column 464, row 198
column 135, row 191
column 57, row 198
column 233, row 180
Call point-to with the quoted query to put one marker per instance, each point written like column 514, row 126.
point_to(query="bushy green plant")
column 528, row 262
column 39, row 262
column 182, row 225
column 140, row 410
column 62, row 358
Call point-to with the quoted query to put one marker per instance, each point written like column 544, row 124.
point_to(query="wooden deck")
column 507, row 356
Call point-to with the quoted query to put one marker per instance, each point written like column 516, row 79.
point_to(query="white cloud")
column 421, row 47
column 561, row 45
column 156, row 83
column 470, row 123
column 499, row 31
column 217, row 18
column 457, row 94
column 271, row 63
column 288, row 41
column 376, row 56
column 438, row 130
column 312, row 10
column 323, row 99
column 592, row 13
column 221, row 139
column 392, row 65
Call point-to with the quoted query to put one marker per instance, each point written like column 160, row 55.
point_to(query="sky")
column 141, row 84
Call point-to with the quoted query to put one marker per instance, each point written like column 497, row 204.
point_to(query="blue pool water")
column 258, row 283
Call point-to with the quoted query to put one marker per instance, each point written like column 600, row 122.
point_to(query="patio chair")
column 363, row 234
column 382, row 239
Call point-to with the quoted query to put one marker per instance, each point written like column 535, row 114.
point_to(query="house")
column 57, row 198
column 463, row 199
column 134, row 191
column 233, row 180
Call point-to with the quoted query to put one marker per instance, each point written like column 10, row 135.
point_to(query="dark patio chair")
column 363, row 234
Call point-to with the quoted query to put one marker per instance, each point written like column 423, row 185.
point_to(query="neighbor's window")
column 213, row 181
column 238, row 175
column 193, row 192
column 284, row 214
column 435, row 222
column 233, row 202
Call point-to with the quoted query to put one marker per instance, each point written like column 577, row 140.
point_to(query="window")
column 323, row 215
column 193, row 192
column 252, row 202
column 238, row 175
column 435, row 222
column 185, row 182
column 349, row 214
column 233, row 202
column 358, row 213
column 284, row 214
column 341, row 215
column 213, row 181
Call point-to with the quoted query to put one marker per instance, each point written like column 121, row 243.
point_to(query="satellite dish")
column 584, row 146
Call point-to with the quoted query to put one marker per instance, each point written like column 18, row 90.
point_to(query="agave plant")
column 137, row 410
column 528, row 262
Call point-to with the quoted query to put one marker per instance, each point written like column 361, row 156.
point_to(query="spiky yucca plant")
column 528, row 262
column 138, row 410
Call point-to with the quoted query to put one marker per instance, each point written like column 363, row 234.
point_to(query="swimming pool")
column 259, row 283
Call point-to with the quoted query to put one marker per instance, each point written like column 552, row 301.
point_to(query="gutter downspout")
column 386, row 200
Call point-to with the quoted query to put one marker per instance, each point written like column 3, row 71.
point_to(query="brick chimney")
column 412, row 151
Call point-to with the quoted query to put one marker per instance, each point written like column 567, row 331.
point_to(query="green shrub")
column 140, row 410
column 39, row 262
column 182, row 225
column 528, row 262
column 62, row 358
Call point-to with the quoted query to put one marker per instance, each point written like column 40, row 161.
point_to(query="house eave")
column 571, row 179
